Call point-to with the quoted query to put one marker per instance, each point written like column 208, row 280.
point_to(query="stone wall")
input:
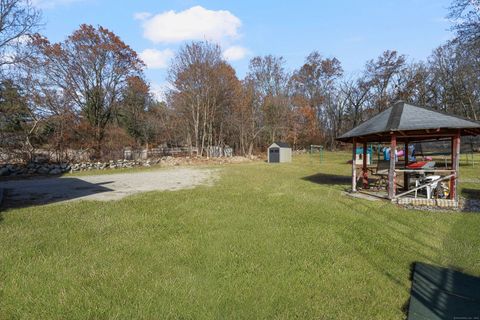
column 43, row 168
column 33, row 168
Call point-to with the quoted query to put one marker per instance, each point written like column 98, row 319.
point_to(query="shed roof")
column 281, row 144
column 411, row 121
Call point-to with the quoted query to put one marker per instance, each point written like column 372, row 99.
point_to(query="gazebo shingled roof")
column 410, row 123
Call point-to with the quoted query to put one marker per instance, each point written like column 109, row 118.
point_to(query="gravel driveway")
column 101, row 187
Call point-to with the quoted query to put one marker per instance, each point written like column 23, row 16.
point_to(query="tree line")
column 89, row 92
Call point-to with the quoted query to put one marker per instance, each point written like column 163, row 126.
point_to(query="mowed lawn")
column 266, row 241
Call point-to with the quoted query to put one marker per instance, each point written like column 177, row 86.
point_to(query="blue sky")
column 352, row 31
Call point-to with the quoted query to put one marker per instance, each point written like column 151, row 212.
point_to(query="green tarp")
column 440, row 293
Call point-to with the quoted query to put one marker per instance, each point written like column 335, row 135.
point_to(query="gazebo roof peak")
column 410, row 120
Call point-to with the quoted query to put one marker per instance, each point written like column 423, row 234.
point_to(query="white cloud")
column 196, row 23
column 8, row 57
column 22, row 40
column 142, row 15
column 235, row 53
column 159, row 90
column 156, row 59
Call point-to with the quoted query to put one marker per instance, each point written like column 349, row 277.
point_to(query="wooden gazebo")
column 404, row 123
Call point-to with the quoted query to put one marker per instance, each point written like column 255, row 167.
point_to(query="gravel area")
column 101, row 187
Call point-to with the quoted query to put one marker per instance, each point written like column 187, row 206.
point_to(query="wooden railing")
column 425, row 185
column 421, row 171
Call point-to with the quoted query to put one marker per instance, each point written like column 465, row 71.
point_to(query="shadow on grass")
column 441, row 293
column 29, row 192
column 329, row 179
column 471, row 193
column 472, row 200
column 463, row 164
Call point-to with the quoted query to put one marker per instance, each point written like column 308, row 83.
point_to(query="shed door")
column 274, row 155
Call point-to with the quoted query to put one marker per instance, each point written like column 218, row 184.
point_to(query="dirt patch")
column 102, row 187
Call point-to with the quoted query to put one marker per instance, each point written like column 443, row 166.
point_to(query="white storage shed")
column 279, row 152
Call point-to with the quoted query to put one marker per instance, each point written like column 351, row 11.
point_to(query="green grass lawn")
column 266, row 241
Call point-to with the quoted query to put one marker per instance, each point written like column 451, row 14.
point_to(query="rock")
column 43, row 170
column 4, row 172
column 55, row 171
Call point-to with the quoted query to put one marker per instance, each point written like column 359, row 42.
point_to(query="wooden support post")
column 452, row 180
column 455, row 166
column 354, row 169
column 364, row 167
column 406, row 174
column 391, row 172
column 452, row 150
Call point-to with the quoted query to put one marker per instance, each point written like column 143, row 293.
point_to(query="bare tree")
column 316, row 83
column 415, row 84
column 18, row 19
column 90, row 69
column 382, row 76
column 357, row 92
column 249, row 118
column 455, row 75
column 466, row 17
column 204, row 85
column 131, row 113
column 268, row 81
column 16, row 124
